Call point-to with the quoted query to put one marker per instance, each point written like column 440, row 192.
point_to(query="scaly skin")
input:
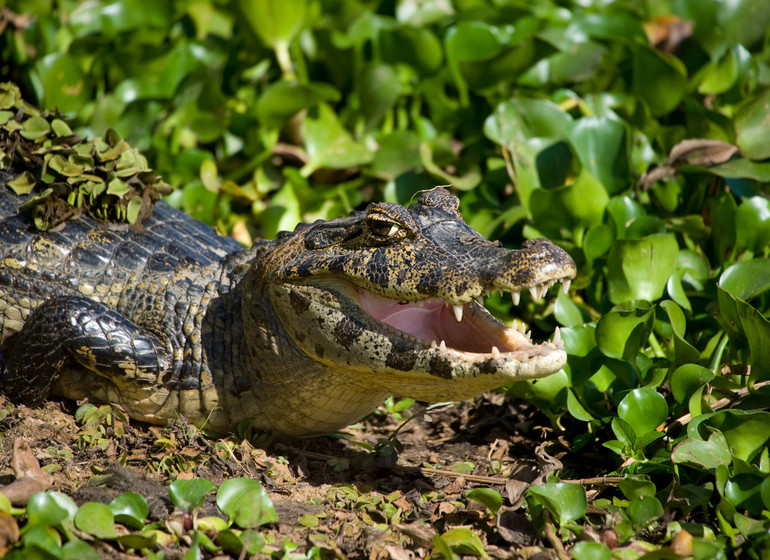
column 302, row 335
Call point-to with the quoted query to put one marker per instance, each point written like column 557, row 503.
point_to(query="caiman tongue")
column 434, row 321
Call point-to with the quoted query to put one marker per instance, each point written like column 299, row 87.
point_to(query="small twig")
column 741, row 393
column 510, row 167
column 553, row 538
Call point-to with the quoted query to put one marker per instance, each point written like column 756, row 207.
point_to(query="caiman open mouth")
column 468, row 328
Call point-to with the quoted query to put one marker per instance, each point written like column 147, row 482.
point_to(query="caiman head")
column 392, row 300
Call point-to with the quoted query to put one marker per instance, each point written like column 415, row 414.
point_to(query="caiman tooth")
column 565, row 285
column 433, row 345
column 458, row 311
column 442, row 346
column 495, row 352
column 515, row 324
column 535, row 292
column 557, row 337
column 480, row 300
column 516, row 297
column 543, row 290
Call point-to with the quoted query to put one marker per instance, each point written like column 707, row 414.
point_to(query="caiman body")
column 304, row 334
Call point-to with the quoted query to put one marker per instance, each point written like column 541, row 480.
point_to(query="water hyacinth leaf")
column 644, row 409
column 746, row 280
column 687, row 378
column 567, row 311
column 598, row 241
column 328, row 144
column 643, row 510
column 63, row 83
column 586, row 199
column 282, row 100
column 96, row 519
column 747, row 326
column 658, row 79
column 752, row 221
column 565, row 501
column 727, row 70
column 600, row 143
column 443, row 548
column 145, row 539
column 488, row 497
column 464, row 541
column 684, row 352
column 190, row 494
column 752, row 126
column 620, row 334
column 746, row 432
column 246, row 503
column 43, row 509
column 274, row 23
column 467, row 41
column 398, row 153
column 700, row 454
column 638, row 269
column 130, row 509
column 743, row 491
column 46, row 539
column 379, row 89
column 586, row 550
column 234, row 542
column 636, row 488
column 79, row 550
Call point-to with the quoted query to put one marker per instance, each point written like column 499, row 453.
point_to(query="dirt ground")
column 345, row 495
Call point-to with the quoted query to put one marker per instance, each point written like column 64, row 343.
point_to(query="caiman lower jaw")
column 477, row 335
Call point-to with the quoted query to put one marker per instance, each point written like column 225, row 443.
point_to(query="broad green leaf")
column 700, row 454
column 379, row 89
column 726, row 71
column 246, row 503
column 748, row 327
column 417, row 47
column 34, row 128
column 282, row 100
column 275, row 22
column 43, row 509
column 46, row 539
column 752, row 220
column 620, row 334
column 644, row 410
column 687, row 378
column 491, row 499
column 746, row 432
column 464, row 541
column 600, row 143
column 684, row 352
column 398, row 153
column 743, row 491
column 443, row 548
column 587, row 550
column 638, row 269
column 64, row 85
column 567, row 312
column 188, row 495
column 467, row 41
column 643, row 510
column 23, row 184
column 130, row 509
column 746, row 280
column 328, row 144
column 658, row 79
column 598, row 241
column 565, row 501
column 79, row 550
column 96, row 519
column 752, row 126
column 636, row 488
column 586, row 200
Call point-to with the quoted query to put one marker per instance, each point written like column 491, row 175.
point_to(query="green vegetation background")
column 636, row 134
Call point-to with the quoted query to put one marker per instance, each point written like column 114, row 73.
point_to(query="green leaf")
column 468, row 41
column 42, row 542
column 746, row 280
column 743, row 491
column 96, row 519
column 746, row 432
column 63, row 84
column 130, row 509
column 705, row 455
column 636, row 488
column 643, row 510
column 282, row 100
column 246, row 503
column 565, row 501
column 78, row 550
column 600, row 143
column 586, row 550
column 23, row 184
column 752, row 221
column 464, row 541
column 328, row 144
column 188, row 495
column 638, row 269
column 567, row 312
column 491, row 499
column 644, row 410
column 43, row 509
column 658, row 79
column 752, row 126
column 380, row 88
column 687, row 378
column 34, row 128
column 275, row 22
column 620, row 334
column 443, row 548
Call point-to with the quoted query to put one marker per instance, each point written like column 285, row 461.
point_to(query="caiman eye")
column 383, row 228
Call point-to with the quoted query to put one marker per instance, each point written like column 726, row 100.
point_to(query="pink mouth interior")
column 436, row 321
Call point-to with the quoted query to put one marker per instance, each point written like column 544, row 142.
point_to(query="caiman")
column 302, row 335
